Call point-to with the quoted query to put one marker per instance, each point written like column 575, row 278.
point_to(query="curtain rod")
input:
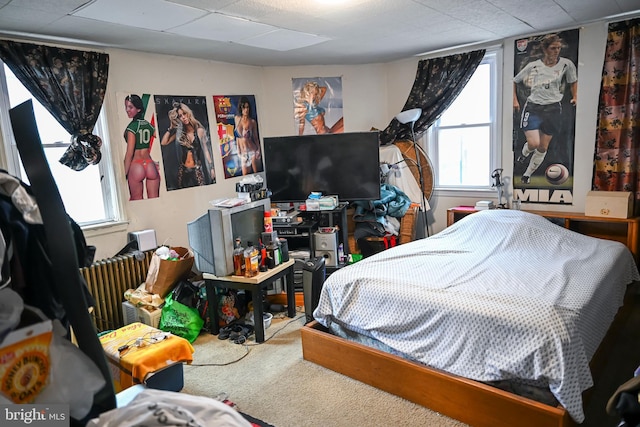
column 70, row 43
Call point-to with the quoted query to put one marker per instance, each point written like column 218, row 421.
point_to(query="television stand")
column 298, row 234
column 332, row 218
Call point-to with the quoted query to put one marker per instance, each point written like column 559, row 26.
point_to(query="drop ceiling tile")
column 586, row 10
column 13, row 17
column 283, row 40
column 57, row 7
column 217, row 26
column 250, row 9
column 209, row 5
column 150, row 14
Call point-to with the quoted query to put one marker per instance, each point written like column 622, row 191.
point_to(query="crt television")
column 212, row 235
column 342, row 164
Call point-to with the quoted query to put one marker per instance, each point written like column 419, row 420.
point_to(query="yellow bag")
column 164, row 274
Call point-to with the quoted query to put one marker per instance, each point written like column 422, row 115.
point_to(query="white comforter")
column 501, row 294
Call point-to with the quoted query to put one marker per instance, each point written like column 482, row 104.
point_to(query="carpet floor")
column 272, row 382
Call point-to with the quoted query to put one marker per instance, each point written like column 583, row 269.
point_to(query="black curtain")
column 70, row 84
column 438, row 83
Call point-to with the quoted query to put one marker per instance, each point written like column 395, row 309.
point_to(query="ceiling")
column 295, row 32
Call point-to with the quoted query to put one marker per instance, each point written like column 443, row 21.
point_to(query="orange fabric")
column 132, row 364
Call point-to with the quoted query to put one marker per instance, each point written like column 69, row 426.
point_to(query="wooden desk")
column 255, row 285
column 623, row 230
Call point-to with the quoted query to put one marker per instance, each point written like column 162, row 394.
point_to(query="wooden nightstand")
column 459, row 212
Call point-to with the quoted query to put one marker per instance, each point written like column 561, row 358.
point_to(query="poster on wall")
column 544, row 111
column 237, row 127
column 183, row 131
column 317, row 105
column 142, row 172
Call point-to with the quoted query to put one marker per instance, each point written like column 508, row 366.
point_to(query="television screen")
column 342, row 164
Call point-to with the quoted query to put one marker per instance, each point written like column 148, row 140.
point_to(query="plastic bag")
column 187, row 293
column 180, row 320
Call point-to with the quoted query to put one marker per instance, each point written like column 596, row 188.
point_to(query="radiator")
column 107, row 280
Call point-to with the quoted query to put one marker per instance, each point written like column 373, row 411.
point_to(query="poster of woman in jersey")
column 141, row 171
column 317, row 105
column 183, row 129
column 237, row 127
column 545, row 89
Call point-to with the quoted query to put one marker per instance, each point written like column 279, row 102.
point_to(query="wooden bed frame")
column 466, row 400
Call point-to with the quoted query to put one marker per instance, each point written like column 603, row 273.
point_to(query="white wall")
column 139, row 73
column 364, row 95
column 372, row 95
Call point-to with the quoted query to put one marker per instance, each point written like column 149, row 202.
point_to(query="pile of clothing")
column 379, row 218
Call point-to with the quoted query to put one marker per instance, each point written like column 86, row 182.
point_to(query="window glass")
column 85, row 194
column 463, row 143
column 464, row 156
column 473, row 105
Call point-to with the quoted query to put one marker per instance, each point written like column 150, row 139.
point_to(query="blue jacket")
column 370, row 214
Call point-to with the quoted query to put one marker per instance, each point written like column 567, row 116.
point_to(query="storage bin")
column 611, row 204
column 140, row 354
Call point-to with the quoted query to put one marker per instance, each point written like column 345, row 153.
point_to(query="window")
column 87, row 194
column 464, row 143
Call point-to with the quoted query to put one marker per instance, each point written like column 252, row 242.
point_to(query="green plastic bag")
column 180, row 320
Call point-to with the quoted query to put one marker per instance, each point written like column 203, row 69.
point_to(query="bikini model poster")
column 317, row 105
column 237, row 127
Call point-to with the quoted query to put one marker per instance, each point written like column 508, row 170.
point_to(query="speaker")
column 313, row 276
column 326, row 246
column 146, row 239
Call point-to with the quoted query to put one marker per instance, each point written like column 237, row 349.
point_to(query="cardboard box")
column 611, row 204
column 132, row 314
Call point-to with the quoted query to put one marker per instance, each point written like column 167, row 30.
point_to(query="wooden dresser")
column 623, row 230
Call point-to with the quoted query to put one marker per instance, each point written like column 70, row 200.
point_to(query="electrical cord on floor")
column 248, row 350
column 276, row 332
column 247, row 346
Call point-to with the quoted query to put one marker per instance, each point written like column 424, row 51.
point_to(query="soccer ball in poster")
column 557, row 174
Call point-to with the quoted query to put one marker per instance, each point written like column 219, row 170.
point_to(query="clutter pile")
column 167, row 288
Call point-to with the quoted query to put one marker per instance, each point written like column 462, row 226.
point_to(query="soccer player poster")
column 141, row 166
column 545, row 87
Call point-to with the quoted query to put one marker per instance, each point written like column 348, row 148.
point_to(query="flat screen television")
column 342, row 164
column 212, row 235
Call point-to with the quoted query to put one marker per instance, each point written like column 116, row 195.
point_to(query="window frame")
column 493, row 56
column 10, row 160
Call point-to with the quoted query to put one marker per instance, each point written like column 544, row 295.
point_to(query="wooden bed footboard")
column 469, row 401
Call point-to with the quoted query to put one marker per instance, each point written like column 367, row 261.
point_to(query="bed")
column 493, row 321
